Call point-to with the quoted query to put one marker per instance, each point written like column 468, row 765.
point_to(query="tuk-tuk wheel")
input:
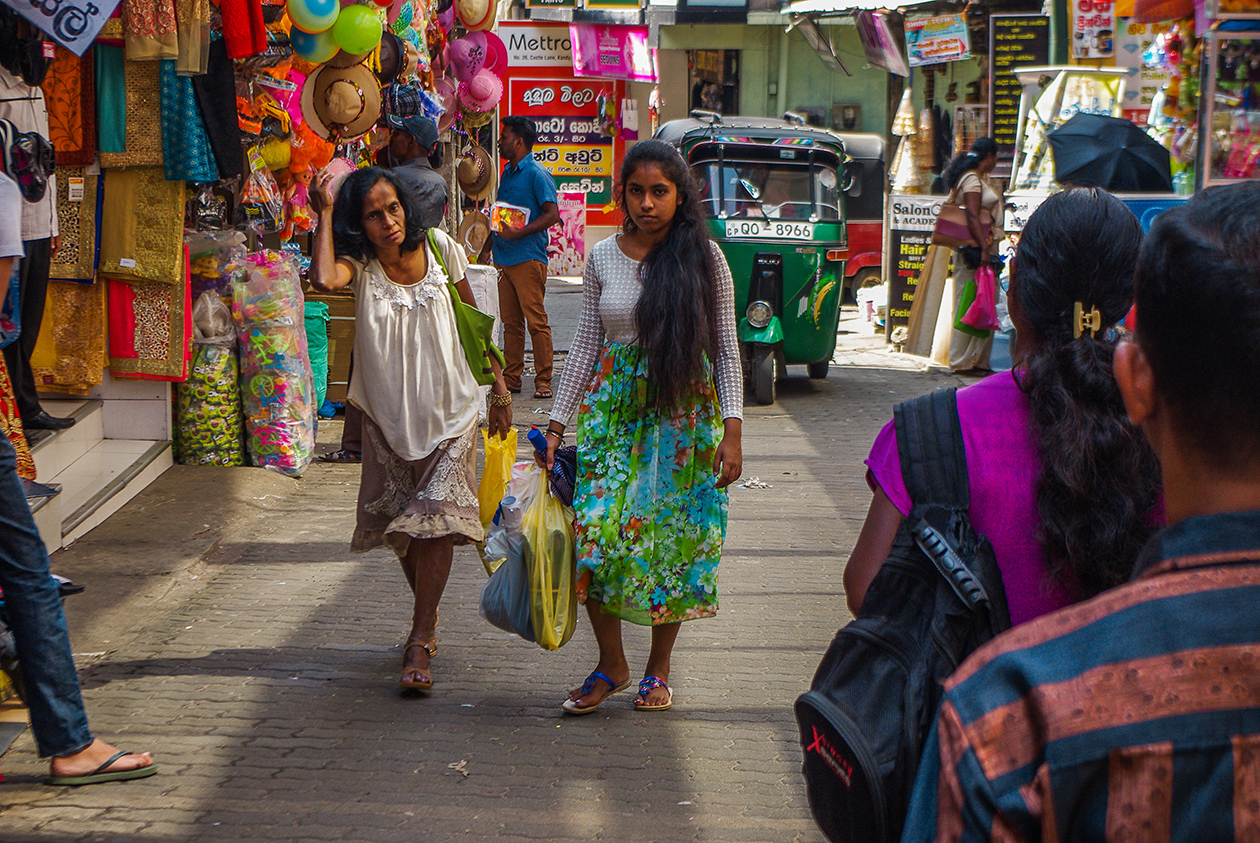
column 818, row 371
column 764, row 371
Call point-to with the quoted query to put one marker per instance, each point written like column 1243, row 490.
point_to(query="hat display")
column 392, row 56
column 475, row 173
column 446, row 92
column 411, row 60
column 401, row 100
column 496, row 54
column 468, row 54
column 424, row 130
column 344, row 59
column 475, row 14
column 344, row 102
column 473, row 231
column 481, row 93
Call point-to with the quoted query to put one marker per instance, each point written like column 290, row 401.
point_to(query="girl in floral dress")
column 655, row 376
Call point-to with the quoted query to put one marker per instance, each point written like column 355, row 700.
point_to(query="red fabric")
column 122, row 320
column 243, row 27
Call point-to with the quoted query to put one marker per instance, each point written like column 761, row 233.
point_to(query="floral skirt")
column 11, row 425
column 650, row 522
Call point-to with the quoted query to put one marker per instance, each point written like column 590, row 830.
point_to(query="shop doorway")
column 713, row 80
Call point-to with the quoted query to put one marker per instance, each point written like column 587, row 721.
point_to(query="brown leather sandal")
column 409, row 682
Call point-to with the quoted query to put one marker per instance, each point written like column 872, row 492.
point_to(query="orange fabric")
column 11, row 425
column 70, row 91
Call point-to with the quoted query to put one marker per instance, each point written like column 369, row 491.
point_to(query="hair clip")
column 1082, row 319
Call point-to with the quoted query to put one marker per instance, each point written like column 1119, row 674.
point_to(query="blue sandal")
column 646, row 686
column 571, row 706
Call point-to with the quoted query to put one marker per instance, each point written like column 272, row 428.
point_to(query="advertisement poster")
column 937, row 40
column 1015, row 41
column 910, row 222
column 566, row 253
column 1142, row 83
column 1093, row 29
column 612, row 52
column 882, row 47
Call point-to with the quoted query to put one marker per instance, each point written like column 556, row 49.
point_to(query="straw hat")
column 475, row 14
column 445, row 89
column 481, row 93
column 343, row 59
column 475, row 173
column 345, row 101
column 473, row 232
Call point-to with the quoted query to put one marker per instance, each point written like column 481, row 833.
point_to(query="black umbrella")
column 1109, row 152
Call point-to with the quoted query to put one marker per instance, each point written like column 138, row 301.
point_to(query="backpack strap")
column 931, row 449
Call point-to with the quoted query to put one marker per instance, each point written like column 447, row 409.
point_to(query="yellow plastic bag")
column 550, row 558
column 500, row 454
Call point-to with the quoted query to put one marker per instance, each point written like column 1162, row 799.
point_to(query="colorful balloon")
column 316, row 49
column 357, row 30
column 313, row 16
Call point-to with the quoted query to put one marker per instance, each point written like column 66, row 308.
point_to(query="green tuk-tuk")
column 773, row 192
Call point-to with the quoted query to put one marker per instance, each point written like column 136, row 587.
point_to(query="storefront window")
column 1233, row 122
column 761, row 190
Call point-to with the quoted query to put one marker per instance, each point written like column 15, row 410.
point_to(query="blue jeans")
column 33, row 607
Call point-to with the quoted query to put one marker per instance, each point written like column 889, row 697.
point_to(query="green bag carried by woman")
column 476, row 329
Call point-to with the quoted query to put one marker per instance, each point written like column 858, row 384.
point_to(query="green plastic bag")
column 550, row 551
column 317, row 319
column 964, row 303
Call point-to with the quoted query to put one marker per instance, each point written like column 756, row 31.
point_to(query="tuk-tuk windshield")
column 769, row 190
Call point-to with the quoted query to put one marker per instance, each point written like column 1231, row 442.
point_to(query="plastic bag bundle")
column 210, row 254
column 500, row 454
column 277, row 389
column 505, row 599
column 208, row 424
column 550, row 552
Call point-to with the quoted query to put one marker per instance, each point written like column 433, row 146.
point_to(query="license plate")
column 769, row 230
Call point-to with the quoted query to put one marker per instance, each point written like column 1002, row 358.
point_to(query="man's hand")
column 509, row 233
column 56, row 244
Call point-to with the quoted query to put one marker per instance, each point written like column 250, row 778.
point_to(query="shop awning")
column 841, row 7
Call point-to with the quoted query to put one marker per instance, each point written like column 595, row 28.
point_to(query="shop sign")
column 612, row 4
column 937, row 40
column 566, row 253
column 612, row 52
column 570, row 145
column 73, row 24
column 1142, row 83
column 1015, row 41
column 570, row 130
column 553, row 98
column 551, row 4
column 572, row 160
column 910, row 223
column 882, row 48
column 1093, row 29
column 537, row 46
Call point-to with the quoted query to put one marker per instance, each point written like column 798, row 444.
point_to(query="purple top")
column 1002, row 468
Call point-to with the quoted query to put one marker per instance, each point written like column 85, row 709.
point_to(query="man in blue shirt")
column 521, row 255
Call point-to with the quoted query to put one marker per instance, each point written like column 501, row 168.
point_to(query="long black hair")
column 348, row 237
column 676, row 315
column 1099, row 480
column 965, row 162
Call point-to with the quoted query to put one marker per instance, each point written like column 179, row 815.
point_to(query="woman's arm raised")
column 327, row 273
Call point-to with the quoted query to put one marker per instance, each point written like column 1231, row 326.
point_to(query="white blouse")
column 410, row 373
column 610, row 293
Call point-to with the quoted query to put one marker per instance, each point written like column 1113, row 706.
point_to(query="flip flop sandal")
column 543, row 394
column 414, row 684
column 342, row 456
column 99, row 775
column 571, row 706
column 646, row 686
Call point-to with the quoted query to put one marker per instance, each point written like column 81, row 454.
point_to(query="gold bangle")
column 504, row 400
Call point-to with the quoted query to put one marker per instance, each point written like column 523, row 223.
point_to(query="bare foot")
column 97, row 753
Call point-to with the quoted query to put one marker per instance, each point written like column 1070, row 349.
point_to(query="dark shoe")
column 342, row 456
column 43, row 421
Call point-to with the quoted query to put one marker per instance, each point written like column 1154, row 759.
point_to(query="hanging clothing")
column 193, row 31
column 143, row 119
column 79, row 222
column 111, row 99
column 150, row 29
column 185, row 146
column 216, row 98
column 142, row 226
column 70, row 95
column 70, row 354
column 243, row 27
column 150, row 329
column 11, row 425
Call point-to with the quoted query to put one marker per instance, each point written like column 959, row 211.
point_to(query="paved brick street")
column 228, row 628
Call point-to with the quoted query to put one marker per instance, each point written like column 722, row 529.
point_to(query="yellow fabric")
column 142, row 226
column 75, row 258
column 11, row 425
column 70, row 354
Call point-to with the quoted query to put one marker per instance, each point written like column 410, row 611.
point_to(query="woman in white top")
column 967, row 175
column 412, row 381
column 657, row 443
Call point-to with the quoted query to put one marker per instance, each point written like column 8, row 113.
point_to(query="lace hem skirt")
column 401, row 500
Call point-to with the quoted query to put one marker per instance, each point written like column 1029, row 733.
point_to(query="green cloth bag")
column 964, row 304
column 317, row 318
column 476, row 329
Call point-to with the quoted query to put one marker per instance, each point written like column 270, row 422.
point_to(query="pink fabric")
column 1002, row 466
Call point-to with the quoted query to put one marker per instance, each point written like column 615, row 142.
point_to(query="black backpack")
column 937, row 597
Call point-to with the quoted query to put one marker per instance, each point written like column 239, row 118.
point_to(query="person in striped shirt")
column 1135, row 716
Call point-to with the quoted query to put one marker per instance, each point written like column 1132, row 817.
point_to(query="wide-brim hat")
column 468, row 55
column 481, row 93
column 475, row 173
column 393, row 55
column 344, row 59
column 475, row 14
column 496, row 55
column 446, row 91
column 411, row 59
column 341, row 102
column 473, row 231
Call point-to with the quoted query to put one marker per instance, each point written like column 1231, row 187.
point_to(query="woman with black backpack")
column 1062, row 485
